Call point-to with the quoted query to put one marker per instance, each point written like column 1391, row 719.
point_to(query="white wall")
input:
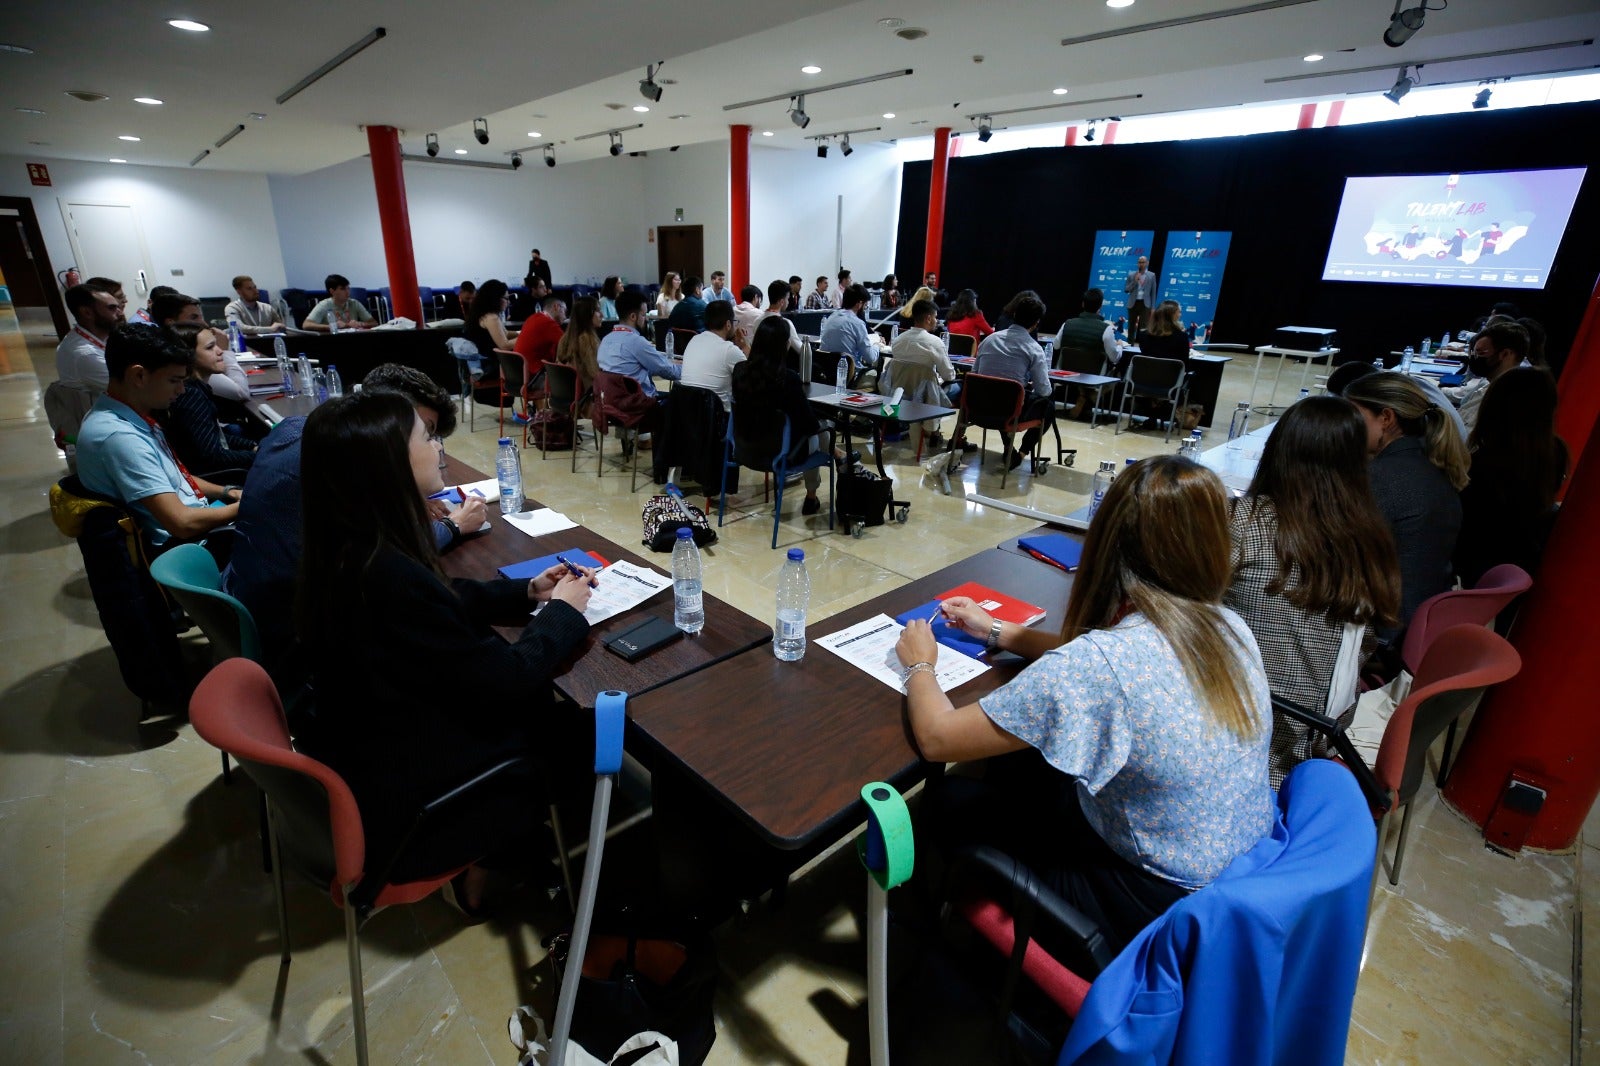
column 695, row 178
column 211, row 225
column 794, row 211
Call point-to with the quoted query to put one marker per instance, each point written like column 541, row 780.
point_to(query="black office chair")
column 825, row 368
column 1162, row 381
column 962, row 344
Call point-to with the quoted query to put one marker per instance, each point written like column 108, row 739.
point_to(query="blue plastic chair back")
column 190, row 573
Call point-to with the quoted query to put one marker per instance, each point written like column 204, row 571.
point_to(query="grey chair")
column 1163, row 381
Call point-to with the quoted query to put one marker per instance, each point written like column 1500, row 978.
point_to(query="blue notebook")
column 531, row 569
column 1058, row 549
column 943, row 632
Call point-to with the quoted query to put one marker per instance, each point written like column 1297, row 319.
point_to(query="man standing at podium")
column 1141, row 290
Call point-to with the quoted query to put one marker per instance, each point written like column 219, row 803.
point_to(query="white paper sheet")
column 487, row 489
column 622, row 587
column 870, row 645
column 538, row 522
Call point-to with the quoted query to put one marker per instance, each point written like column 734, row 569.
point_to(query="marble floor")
column 136, row 926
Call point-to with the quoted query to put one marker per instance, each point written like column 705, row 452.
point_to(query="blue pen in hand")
column 562, row 559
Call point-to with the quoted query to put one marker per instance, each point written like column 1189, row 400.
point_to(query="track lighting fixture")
column 480, row 130
column 985, row 128
column 616, row 143
column 549, row 155
column 844, row 145
column 822, row 151
column 1481, row 101
column 797, row 111
column 648, row 88
column 432, row 141
column 1088, row 134
column 1403, row 84
column 516, row 160
column 1403, row 24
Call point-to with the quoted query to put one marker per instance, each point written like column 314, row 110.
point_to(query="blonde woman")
column 1418, row 466
column 671, row 292
column 1165, row 337
column 923, row 293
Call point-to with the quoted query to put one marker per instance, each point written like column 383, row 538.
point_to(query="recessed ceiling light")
column 1314, row 57
column 188, row 24
column 152, row 101
column 117, row 160
column 1119, row 3
column 28, row 110
column 21, row 50
column 258, row 116
column 461, row 151
column 766, row 133
column 535, row 133
column 1058, row 92
column 891, row 23
column 888, row 114
column 126, row 137
column 641, row 108
column 811, row 68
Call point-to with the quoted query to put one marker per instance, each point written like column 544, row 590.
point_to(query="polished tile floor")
column 136, row 925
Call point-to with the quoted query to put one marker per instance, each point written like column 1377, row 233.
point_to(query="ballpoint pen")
column 562, row 559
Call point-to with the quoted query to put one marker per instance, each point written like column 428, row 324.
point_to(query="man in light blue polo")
column 625, row 351
column 719, row 288
column 123, row 454
column 846, row 333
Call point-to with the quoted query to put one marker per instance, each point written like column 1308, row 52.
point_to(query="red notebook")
column 998, row 604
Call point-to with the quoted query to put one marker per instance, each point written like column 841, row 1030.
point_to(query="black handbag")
column 664, row 515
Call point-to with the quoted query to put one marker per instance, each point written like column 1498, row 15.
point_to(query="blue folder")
column 1057, row 548
column 531, row 569
column 943, row 632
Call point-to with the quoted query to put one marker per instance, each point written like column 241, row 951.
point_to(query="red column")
column 1579, row 386
column 1308, row 115
column 383, row 143
column 941, row 167
column 739, row 206
column 1335, row 113
column 1072, row 136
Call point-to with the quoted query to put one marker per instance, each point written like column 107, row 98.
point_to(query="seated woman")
column 891, row 291
column 610, row 289
column 191, row 422
column 579, row 347
column 1418, row 466
column 1166, row 338
column 764, row 390
column 671, row 292
column 923, row 293
column 1314, row 567
column 389, row 642
column 1518, row 465
column 1149, row 714
column 487, row 330
column 964, row 316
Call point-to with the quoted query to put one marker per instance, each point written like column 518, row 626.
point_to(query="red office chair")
column 516, row 381
column 996, row 403
column 620, row 401
column 312, row 816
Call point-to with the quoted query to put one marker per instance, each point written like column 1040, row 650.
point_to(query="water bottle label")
column 790, row 630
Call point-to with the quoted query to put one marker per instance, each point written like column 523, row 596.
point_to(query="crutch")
column 887, row 851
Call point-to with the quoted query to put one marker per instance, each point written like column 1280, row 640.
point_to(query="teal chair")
column 189, row 573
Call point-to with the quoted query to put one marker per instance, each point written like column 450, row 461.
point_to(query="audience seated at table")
column 1345, row 373
column 81, row 355
column 267, row 545
column 817, row 298
column 247, row 311
column 1498, row 347
column 965, row 317
column 890, row 296
column 415, row 692
column 709, row 359
column 123, row 454
column 1005, row 318
column 465, row 292
column 486, row 329
column 610, row 289
column 191, row 421
column 690, row 312
column 146, row 314
column 764, row 390
column 1418, row 466
column 1314, row 567
column 923, row 293
column 1014, row 353
column 669, row 295
column 836, row 294
column 1517, row 467
column 718, row 289
column 580, row 346
column 778, row 303
column 845, row 331
column 1148, row 715
column 112, row 288
column 746, row 314
column 537, row 341
column 918, row 346
column 337, row 309
column 625, row 351
column 1165, row 337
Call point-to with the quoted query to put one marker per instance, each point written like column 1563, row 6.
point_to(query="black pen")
column 562, row 559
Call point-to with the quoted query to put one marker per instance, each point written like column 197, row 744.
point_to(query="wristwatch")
column 455, row 530
column 992, row 641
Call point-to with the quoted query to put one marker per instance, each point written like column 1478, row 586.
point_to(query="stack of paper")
column 537, row 523
column 870, row 645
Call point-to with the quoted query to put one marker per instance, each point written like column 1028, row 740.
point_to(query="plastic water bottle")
column 508, row 469
column 841, row 378
column 1427, row 347
column 1444, row 339
column 319, row 386
column 1305, row 394
column 306, row 384
column 1128, row 462
column 794, row 596
column 286, row 373
column 1102, row 484
column 672, row 342
column 235, row 338
column 1239, row 426
column 688, row 603
column 333, row 320
column 1405, row 359
column 280, row 350
column 894, row 331
column 335, row 383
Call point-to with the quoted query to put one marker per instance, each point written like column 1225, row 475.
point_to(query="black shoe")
column 967, row 447
column 935, row 440
column 1016, row 461
column 811, row 505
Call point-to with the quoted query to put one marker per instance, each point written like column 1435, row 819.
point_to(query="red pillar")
column 739, row 206
column 1308, row 116
column 1335, row 113
column 1579, row 386
column 1072, row 136
column 383, row 144
column 941, row 167
column 1111, row 133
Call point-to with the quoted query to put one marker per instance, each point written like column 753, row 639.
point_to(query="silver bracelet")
column 914, row 668
column 992, row 641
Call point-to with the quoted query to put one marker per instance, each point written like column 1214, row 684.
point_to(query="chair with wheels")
column 963, row 345
column 737, row 453
column 996, row 403
column 620, row 402
column 1161, row 381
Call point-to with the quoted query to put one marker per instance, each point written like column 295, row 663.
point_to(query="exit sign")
column 38, row 173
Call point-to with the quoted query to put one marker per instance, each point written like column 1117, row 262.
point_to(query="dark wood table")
column 593, row 669
column 786, row 747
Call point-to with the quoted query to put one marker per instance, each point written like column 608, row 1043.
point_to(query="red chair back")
column 990, row 402
column 1475, row 606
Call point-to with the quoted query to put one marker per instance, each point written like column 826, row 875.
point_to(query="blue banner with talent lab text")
column 1116, row 255
column 1191, row 274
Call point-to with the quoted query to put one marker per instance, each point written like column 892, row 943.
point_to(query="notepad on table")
column 946, row 634
column 861, row 399
column 532, row 568
column 1057, row 549
column 998, row 604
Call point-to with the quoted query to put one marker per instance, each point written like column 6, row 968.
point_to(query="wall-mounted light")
column 1402, row 24
column 1403, row 84
column 844, row 145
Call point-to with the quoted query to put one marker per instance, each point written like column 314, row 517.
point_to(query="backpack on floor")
column 664, row 515
column 861, row 496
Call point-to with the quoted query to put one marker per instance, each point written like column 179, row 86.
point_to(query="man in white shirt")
column 709, row 359
column 836, row 297
column 920, row 347
column 81, row 355
column 777, row 303
column 253, row 317
column 747, row 313
column 719, row 289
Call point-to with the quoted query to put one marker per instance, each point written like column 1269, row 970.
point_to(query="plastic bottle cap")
column 685, row 533
column 797, row 555
column 505, row 440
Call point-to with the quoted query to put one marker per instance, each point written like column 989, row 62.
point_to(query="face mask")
column 1482, row 365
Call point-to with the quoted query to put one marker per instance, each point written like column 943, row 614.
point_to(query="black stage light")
column 1403, row 25
column 480, row 130
column 432, row 141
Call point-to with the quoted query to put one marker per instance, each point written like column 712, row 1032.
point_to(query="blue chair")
column 190, row 575
column 778, row 466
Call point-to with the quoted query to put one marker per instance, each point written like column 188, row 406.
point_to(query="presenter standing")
column 1141, row 290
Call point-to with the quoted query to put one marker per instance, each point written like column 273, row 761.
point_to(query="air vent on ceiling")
column 86, row 96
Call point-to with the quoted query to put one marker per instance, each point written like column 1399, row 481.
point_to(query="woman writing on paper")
column 373, row 608
column 1142, row 728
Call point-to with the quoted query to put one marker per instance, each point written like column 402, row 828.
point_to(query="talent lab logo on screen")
column 1195, row 253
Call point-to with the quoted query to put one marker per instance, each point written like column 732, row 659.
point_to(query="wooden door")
column 680, row 248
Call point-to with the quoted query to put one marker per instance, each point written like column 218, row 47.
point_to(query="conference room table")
column 592, row 670
column 829, row 399
column 1059, row 382
column 785, row 747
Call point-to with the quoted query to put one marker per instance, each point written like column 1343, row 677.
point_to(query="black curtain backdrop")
column 1027, row 219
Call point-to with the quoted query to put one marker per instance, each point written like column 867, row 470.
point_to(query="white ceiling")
column 554, row 69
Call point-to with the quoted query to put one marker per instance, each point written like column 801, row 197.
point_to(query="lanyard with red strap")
column 155, row 428
column 90, row 337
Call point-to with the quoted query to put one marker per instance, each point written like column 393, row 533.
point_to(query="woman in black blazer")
column 415, row 693
column 190, row 421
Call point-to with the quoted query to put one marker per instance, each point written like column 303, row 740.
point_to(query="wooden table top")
column 593, row 669
column 787, row 746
